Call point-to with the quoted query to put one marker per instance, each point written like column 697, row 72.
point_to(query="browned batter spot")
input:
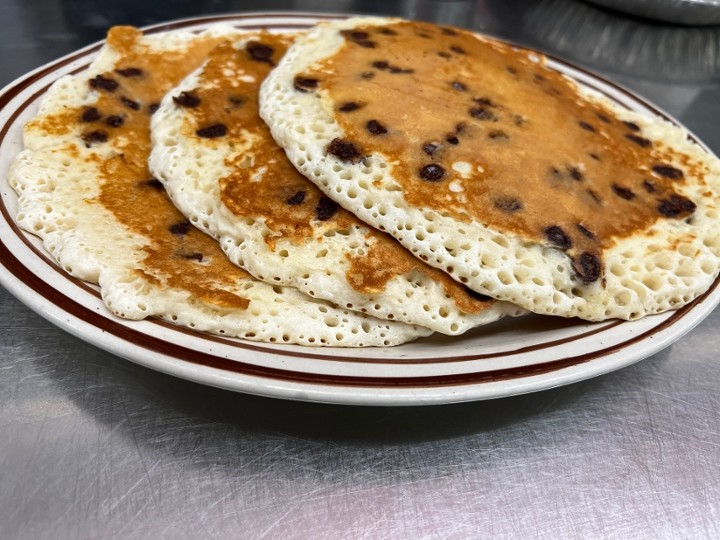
column 123, row 179
column 371, row 273
column 522, row 103
column 264, row 184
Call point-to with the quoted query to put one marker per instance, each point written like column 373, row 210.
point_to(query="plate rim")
column 377, row 391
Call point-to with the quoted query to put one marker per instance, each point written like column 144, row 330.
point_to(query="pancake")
column 85, row 189
column 500, row 171
column 222, row 169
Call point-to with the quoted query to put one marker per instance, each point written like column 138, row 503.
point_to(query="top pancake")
column 491, row 166
column 223, row 170
column 85, row 189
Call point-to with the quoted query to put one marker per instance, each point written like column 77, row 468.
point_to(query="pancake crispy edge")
column 84, row 189
column 663, row 264
column 269, row 219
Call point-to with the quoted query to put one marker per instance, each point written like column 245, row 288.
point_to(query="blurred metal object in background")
column 673, row 11
column 614, row 43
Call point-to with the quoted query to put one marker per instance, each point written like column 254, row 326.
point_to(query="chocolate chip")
column 460, row 127
column 260, row 52
column 130, row 72
column 343, row 150
column 114, row 121
column 586, row 126
column 508, row 204
column 349, row 106
column 325, row 209
column 457, row 85
column 296, row 199
column 649, row 186
column 375, row 127
column 153, row 107
column 359, row 38
column 668, row 171
column 387, row 31
column 632, row 126
column 236, row 100
column 452, row 139
column 129, row 103
column 395, row 69
column 484, row 100
column 596, row 197
column 518, row 120
column 585, row 232
column 602, row 117
column 91, row 114
column 457, row 49
column 623, row 192
column 303, row 84
column 97, row 136
column 443, row 54
column 511, row 70
column 675, row 205
column 367, row 75
column 448, row 31
column 482, row 113
column 498, row 134
column 555, row 173
column 355, row 34
column 429, row 148
column 538, row 78
column 104, row 83
column 587, row 267
column 186, row 99
column 213, row 131
column 153, row 183
column 476, row 295
column 380, row 64
column 180, row 228
column 432, row 172
column 193, row 256
column 557, row 236
column 594, row 156
column 640, row 141
column 575, row 173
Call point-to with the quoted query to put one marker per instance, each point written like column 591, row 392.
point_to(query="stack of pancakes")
column 365, row 183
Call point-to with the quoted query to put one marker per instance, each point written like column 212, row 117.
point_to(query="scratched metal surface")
column 92, row 446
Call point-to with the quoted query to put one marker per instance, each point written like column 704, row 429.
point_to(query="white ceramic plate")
column 510, row 357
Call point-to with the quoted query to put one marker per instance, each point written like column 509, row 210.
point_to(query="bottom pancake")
column 85, row 190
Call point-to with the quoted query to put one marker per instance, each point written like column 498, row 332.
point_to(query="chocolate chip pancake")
column 491, row 166
column 85, row 189
column 223, row 170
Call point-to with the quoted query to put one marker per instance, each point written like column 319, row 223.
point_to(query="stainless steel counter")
column 92, row 446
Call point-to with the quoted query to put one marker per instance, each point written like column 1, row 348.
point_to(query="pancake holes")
column 332, row 322
column 505, row 278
